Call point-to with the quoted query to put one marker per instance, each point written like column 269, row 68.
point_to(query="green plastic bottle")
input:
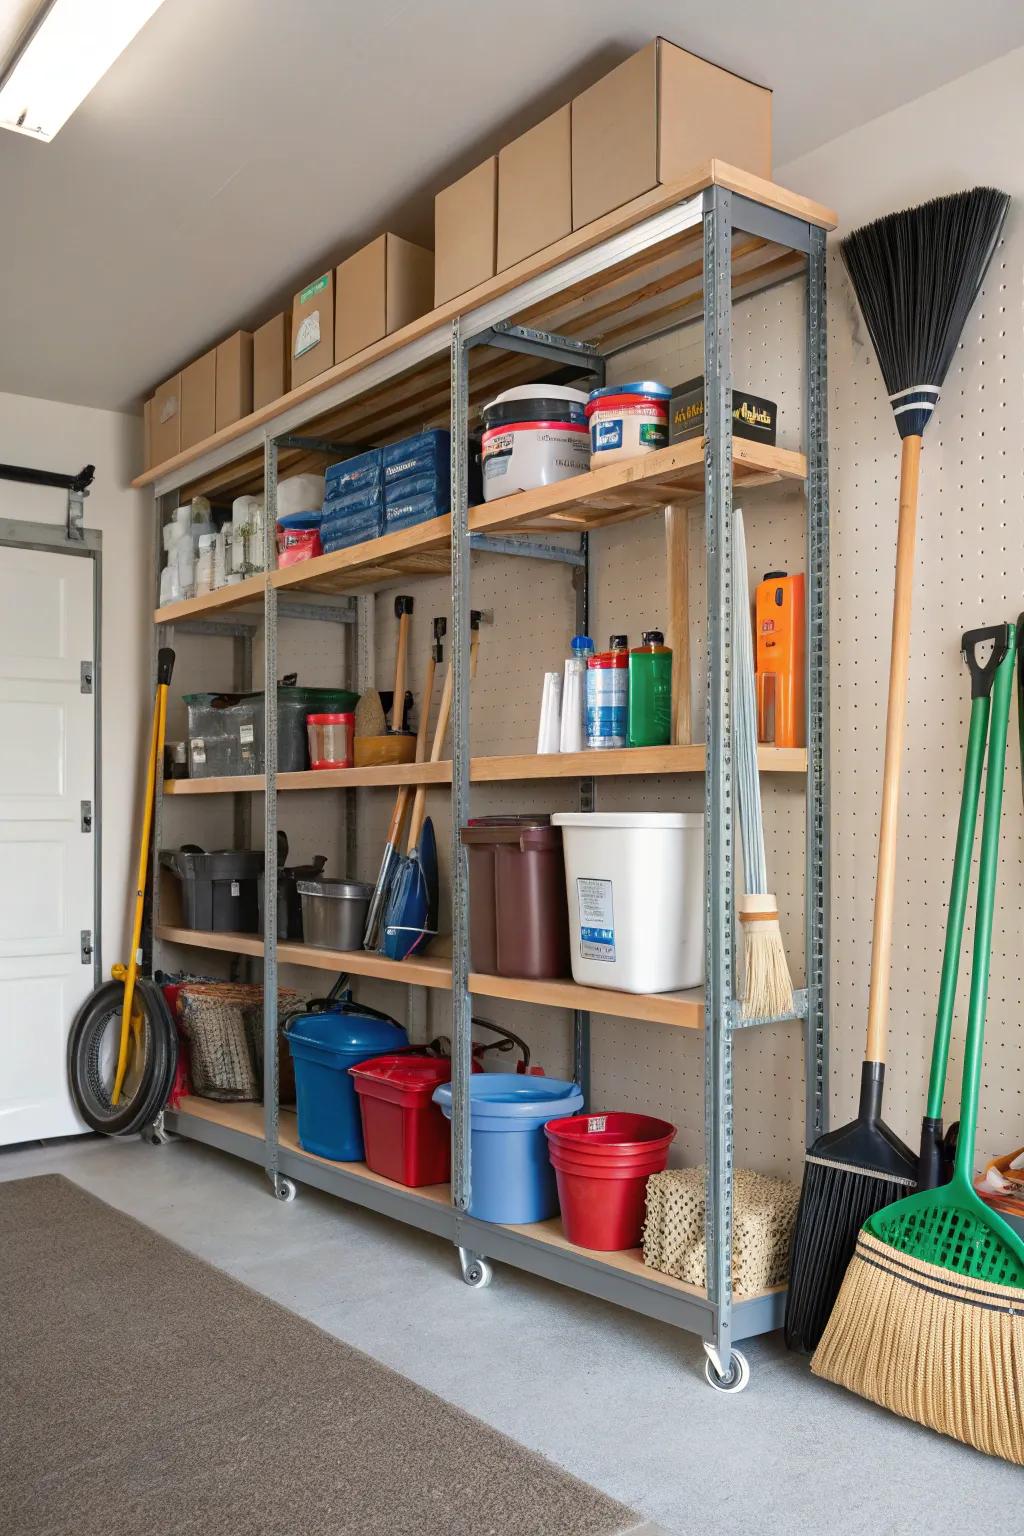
column 650, row 692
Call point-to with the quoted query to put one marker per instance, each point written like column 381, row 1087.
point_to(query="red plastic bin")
column 602, row 1163
column 406, row 1136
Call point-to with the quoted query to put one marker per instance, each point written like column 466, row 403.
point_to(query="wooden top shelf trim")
column 620, row 762
column 683, row 1010
column 714, row 172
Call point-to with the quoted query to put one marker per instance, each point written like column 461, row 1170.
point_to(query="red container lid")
column 609, row 659
column 402, row 1074
column 330, row 719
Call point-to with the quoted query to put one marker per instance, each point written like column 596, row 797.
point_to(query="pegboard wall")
column 968, row 572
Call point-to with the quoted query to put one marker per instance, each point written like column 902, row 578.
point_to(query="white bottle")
column 204, row 564
column 574, row 696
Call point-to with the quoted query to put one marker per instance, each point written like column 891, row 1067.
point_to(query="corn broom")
column 930, row 1318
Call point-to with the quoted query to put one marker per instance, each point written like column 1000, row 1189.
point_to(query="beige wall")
column 46, row 435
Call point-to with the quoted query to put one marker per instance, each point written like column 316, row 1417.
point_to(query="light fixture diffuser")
column 67, row 49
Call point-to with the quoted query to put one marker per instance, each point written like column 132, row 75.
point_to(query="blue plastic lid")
column 638, row 387
column 511, row 1093
column 582, row 645
column 348, row 1027
column 310, row 519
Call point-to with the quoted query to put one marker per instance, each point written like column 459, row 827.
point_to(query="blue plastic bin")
column 513, row 1180
column 323, row 1046
column 363, row 472
column 424, row 453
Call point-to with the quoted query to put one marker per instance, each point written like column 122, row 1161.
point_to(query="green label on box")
column 317, row 287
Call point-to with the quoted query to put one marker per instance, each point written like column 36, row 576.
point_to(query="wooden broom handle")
column 402, row 800
column 419, row 805
column 398, row 705
column 895, row 731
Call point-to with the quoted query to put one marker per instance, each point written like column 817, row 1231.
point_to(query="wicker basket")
column 221, row 1022
column 764, row 1214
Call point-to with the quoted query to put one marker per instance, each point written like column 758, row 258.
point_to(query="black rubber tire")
column 97, row 1015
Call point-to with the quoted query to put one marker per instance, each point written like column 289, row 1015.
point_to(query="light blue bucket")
column 513, row 1180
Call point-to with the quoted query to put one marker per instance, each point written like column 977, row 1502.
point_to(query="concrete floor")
column 615, row 1399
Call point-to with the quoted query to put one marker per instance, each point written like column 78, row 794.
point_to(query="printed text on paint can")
column 597, row 919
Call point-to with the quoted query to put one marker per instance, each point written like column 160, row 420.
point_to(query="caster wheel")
column 154, row 1136
column 477, row 1273
column 284, row 1190
column 737, row 1379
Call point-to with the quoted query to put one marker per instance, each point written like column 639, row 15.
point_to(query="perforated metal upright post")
column 270, row 1062
column 581, row 1016
column 817, row 877
column 718, row 779
column 461, row 1005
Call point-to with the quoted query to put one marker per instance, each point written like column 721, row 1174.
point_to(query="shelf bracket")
column 580, row 356
column 527, row 549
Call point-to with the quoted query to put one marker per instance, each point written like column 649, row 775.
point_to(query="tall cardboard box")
column 234, row 379
column 535, row 189
column 465, row 232
column 657, row 117
column 165, row 421
column 312, row 348
column 270, row 361
column 199, row 399
column 378, row 290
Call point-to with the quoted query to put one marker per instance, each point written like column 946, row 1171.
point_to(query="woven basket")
column 218, row 1022
column 764, row 1214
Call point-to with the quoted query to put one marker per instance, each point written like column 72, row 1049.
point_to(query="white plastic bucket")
column 635, row 885
column 533, row 435
column 627, row 420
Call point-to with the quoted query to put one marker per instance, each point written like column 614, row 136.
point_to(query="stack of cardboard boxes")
column 657, row 117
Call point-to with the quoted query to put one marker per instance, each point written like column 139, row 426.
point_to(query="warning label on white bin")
column 597, row 919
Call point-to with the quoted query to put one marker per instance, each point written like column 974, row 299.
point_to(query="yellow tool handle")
column 165, row 667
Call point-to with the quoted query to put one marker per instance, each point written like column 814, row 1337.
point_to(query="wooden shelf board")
column 248, row 591
column 422, row 550
column 621, row 762
column 561, row 312
column 630, row 489
column 684, row 1010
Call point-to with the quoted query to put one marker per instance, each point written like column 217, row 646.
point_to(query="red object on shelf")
column 332, row 740
column 406, row 1136
column 602, row 1163
column 297, row 544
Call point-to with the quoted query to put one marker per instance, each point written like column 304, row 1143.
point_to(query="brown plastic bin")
column 518, row 914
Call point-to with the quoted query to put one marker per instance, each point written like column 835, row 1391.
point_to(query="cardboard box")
column 378, row 290
column 165, row 421
column 147, row 436
column 465, row 232
column 270, row 352
column 660, row 115
column 535, row 189
column 312, row 348
column 234, row 379
column 199, row 399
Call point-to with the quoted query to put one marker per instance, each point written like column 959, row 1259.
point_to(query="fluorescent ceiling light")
column 68, row 47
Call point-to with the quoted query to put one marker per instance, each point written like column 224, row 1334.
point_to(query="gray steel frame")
column 86, row 543
column 716, row 1317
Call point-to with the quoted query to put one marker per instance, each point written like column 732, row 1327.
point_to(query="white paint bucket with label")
column 534, row 435
column 627, row 420
column 635, row 886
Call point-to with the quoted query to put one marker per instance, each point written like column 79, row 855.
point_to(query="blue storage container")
column 323, row 1045
column 366, row 498
column 435, row 485
column 513, row 1180
column 363, row 472
column 426, row 453
column 407, row 510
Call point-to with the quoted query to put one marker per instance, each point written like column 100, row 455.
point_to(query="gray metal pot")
column 334, row 912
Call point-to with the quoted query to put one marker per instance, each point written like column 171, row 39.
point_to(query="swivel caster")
column 734, row 1380
column 154, row 1134
column 476, row 1272
column 284, row 1189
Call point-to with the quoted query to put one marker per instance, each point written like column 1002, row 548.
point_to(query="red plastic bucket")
column 406, row 1136
column 602, row 1164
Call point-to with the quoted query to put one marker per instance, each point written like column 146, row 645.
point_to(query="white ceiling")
column 238, row 146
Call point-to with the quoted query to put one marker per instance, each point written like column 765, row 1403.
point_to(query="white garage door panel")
column 38, row 616
column 47, row 769
column 33, row 747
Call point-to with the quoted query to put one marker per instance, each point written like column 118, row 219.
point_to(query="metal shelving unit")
column 665, row 268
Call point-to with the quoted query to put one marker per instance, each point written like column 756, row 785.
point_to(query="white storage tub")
column 635, row 884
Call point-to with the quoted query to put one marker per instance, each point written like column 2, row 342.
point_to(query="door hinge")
column 86, row 946
column 87, row 677
column 86, row 815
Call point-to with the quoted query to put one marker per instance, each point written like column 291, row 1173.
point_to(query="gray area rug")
column 141, row 1390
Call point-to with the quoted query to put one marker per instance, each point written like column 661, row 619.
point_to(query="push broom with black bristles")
column 930, row 1318
column 916, row 275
